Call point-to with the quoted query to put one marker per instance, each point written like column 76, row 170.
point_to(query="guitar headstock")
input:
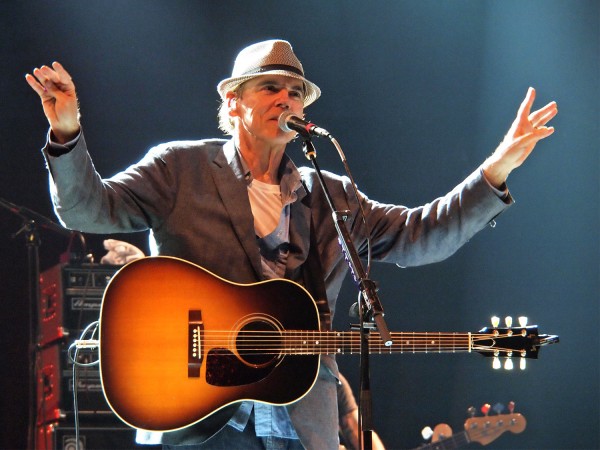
column 522, row 342
column 484, row 429
column 487, row 428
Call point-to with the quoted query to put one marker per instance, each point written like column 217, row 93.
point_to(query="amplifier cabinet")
column 56, row 436
column 55, row 385
column 70, row 298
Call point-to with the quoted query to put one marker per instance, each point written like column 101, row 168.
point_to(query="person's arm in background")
column 348, row 419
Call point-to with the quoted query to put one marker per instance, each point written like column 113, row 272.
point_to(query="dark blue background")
column 418, row 93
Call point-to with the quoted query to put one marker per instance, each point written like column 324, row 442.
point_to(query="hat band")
column 270, row 67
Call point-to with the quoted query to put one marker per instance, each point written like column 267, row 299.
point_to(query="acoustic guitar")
column 178, row 343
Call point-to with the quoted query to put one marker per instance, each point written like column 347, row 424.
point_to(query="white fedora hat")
column 273, row 57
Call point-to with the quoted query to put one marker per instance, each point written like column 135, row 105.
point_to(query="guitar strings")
column 317, row 342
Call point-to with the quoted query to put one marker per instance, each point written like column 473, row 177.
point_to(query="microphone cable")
column 358, row 200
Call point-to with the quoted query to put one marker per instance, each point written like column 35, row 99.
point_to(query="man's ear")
column 232, row 104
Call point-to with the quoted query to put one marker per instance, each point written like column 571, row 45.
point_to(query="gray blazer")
column 192, row 195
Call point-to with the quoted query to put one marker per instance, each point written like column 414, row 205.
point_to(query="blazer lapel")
column 299, row 231
column 234, row 195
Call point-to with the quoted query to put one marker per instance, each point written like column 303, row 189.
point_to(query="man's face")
column 261, row 102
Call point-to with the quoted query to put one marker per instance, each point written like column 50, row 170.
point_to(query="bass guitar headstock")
column 487, row 428
column 483, row 429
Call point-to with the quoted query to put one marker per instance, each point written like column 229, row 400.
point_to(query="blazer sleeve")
column 409, row 236
column 132, row 200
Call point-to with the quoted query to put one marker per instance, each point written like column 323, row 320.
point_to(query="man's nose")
column 284, row 98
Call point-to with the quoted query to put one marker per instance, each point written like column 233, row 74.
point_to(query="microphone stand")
column 370, row 309
column 31, row 222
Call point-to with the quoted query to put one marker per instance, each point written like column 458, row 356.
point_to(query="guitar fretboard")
column 348, row 342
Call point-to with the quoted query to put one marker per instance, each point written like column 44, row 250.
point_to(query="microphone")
column 290, row 122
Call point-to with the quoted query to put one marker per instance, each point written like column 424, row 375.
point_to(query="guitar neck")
column 348, row 342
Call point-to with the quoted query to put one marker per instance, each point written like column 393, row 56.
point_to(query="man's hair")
column 225, row 121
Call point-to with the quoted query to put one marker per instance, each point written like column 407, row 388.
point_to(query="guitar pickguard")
column 223, row 368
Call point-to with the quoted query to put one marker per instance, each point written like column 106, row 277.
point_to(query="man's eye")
column 299, row 94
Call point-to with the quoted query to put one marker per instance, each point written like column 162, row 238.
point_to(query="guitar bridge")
column 195, row 336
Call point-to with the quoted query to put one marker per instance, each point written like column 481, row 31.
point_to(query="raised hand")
column 59, row 99
column 527, row 129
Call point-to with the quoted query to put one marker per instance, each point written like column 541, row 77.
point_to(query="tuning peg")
column 523, row 321
column 471, row 411
column 522, row 363
column 495, row 321
column 511, row 406
column 427, row 432
column 496, row 363
column 498, row 408
column 508, row 321
column 508, row 364
column 485, row 409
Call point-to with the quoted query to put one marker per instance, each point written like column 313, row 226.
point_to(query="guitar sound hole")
column 258, row 343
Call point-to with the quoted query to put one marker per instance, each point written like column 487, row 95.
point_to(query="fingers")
column 61, row 71
column 59, row 100
column 44, row 74
column 38, row 80
column 526, row 120
column 533, row 137
column 544, row 115
column 543, row 132
column 109, row 244
column 46, row 80
column 118, row 247
column 525, row 106
column 35, row 85
column 525, row 132
column 121, row 248
column 60, row 81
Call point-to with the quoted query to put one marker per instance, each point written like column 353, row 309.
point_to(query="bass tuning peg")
column 427, row 432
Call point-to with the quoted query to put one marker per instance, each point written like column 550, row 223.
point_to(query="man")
column 241, row 209
column 348, row 416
